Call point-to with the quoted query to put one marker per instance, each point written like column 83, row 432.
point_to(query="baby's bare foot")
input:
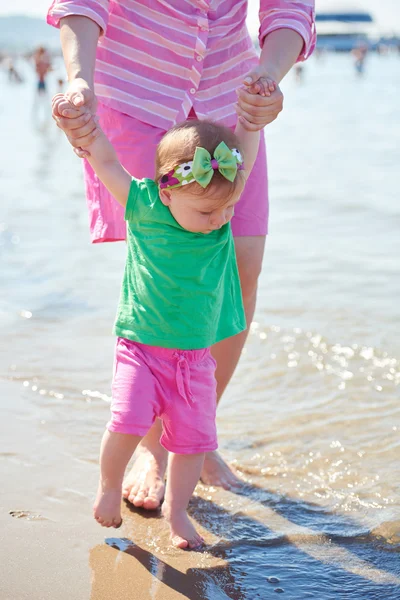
column 107, row 507
column 183, row 534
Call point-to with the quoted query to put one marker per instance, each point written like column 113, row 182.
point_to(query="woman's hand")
column 78, row 119
column 260, row 102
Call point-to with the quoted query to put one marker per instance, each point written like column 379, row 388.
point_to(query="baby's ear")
column 165, row 197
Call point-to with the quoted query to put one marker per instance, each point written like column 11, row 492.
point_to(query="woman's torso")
column 158, row 59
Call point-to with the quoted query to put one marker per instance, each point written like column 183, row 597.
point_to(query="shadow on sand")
column 308, row 551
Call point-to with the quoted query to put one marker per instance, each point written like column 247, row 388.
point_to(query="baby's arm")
column 250, row 140
column 104, row 161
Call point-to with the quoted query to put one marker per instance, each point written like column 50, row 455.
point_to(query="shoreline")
column 56, row 550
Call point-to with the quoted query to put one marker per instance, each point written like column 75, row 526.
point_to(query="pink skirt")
column 135, row 143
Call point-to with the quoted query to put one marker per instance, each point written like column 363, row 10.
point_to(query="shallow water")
column 312, row 417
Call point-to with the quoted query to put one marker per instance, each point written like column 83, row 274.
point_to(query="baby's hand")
column 73, row 121
column 61, row 107
column 259, row 101
column 264, row 85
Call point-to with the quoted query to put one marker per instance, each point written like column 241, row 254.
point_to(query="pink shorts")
column 177, row 386
column 135, row 143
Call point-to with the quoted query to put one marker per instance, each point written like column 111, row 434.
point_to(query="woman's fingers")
column 70, row 112
column 78, row 127
column 84, row 140
column 265, row 108
column 81, row 152
column 257, row 101
column 250, row 126
column 249, row 117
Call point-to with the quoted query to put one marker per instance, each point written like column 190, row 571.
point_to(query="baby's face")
column 199, row 214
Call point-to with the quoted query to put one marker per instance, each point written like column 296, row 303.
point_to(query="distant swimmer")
column 299, row 72
column 42, row 67
column 360, row 54
column 13, row 75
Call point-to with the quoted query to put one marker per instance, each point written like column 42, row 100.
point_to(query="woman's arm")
column 279, row 53
column 79, row 37
column 294, row 15
column 287, row 34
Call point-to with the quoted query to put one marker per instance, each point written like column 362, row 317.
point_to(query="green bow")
column 202, row 169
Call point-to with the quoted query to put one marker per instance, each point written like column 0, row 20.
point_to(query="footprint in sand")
column 27, row 514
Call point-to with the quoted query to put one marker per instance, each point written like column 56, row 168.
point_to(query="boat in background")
column 341, row 27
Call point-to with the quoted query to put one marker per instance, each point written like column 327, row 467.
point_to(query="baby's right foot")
column 107, row 507
column 183, row 534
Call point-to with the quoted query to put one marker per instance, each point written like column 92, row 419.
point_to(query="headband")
column 201, row 168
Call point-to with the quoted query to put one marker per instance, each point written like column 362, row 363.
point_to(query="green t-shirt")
column 180, row 289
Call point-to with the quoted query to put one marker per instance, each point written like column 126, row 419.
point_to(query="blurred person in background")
column 142, row 66
column 360, row 54
column 42, row 62
column 13, row 75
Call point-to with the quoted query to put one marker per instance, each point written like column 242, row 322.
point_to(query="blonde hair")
column 178, row 146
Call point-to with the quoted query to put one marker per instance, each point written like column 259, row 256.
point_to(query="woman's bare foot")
column 107, row 507
column 217, row 472
column 183, row 534
column 144, row 485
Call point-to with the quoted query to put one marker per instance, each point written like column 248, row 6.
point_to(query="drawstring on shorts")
column 183, row 378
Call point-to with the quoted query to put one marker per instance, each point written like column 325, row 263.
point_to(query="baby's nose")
column 218, row 220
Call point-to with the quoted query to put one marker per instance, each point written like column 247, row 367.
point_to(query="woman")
column 152, row 64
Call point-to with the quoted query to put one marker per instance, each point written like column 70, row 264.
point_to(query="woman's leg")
column 144, row 484
column 183, row 475
column 249, row 226
column 115, row 452
column 249, row 253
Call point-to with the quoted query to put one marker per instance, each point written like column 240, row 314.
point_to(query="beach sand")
column 52, row 548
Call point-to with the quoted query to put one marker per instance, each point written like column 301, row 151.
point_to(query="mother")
column 154, row 63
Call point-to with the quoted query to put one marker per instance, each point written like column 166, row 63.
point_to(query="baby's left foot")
column 107, row 507
column 183, row 534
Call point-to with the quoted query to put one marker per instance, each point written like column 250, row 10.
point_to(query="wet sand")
column 52, row 548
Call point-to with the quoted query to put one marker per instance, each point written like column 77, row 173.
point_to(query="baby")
column 180, row 295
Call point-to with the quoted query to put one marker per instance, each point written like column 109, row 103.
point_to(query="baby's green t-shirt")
column 180, row 289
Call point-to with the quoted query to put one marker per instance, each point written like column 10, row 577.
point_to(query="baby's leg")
column 115, row 453
column 183, row 474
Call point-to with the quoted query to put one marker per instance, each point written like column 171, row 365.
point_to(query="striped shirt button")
column 192, row 91
column 199, row 58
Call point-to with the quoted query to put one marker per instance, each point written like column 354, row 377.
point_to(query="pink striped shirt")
column 157, row 59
